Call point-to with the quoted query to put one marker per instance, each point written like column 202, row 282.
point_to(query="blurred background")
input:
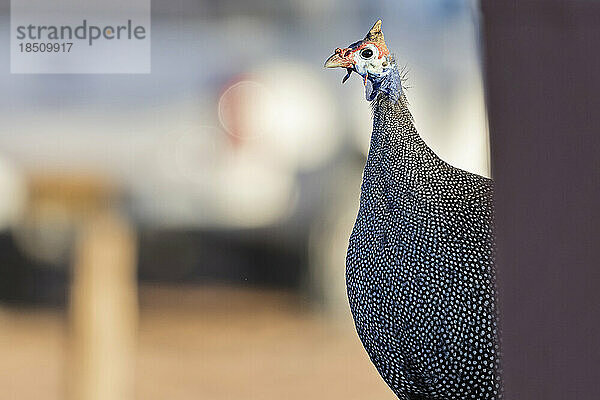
column 182, row 234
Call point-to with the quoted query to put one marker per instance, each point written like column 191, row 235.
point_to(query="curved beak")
column 338, row 61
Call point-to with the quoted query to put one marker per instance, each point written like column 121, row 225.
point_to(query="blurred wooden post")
column 542, row 64
column 77, row 213
column 103, row 311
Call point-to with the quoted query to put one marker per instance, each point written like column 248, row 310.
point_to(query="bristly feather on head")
column 371, row 59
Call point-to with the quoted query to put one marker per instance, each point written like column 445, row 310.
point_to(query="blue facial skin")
column 389, row 83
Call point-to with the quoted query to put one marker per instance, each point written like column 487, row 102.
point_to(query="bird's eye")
column 366, row 53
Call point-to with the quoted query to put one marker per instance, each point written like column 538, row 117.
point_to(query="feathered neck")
column 394, row 113
column 394, row 130
column 395, row 146
column 382, row 102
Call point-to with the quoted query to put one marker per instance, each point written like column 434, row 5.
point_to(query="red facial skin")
column 345, row 55
column 344, row 58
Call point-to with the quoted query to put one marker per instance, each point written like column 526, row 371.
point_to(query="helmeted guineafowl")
column 420, row 263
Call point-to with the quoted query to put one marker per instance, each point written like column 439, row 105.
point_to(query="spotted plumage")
column 420, row 263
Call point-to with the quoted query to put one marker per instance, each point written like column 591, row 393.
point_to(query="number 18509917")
column 45, row 47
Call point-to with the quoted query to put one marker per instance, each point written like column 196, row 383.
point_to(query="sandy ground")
column 204, row 343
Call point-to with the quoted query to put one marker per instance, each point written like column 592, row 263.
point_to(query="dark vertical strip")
column 542, row 71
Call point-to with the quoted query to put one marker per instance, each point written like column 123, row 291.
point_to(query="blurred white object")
column 13, row 187
column 212, row 180
column 282, row 114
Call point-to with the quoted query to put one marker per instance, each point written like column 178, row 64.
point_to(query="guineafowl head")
column 371, row 59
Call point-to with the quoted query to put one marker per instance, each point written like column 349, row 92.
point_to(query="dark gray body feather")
column 420, row 267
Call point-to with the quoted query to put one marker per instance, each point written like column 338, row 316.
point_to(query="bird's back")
column 420, row 267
